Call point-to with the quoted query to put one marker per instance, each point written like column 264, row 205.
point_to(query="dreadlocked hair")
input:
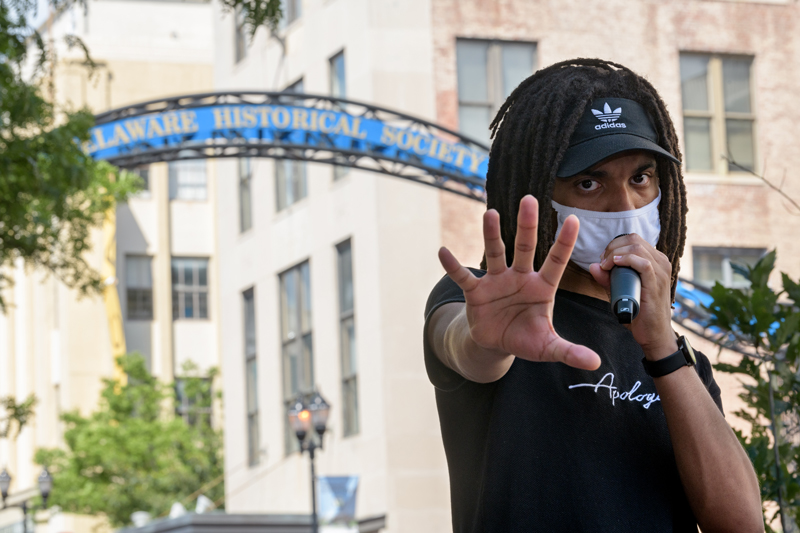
column 531, row 133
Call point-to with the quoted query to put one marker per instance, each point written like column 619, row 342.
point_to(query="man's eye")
column 641, row 179
column 588, row 185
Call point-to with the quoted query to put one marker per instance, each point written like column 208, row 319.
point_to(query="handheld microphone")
column 626, row 291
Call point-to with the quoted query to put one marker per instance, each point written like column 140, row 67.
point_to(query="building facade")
column 53, row 343
column 325, row 284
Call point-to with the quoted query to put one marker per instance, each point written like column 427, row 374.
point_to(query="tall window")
column 290, row 175
column 240, row 34
column 338, row 88
column 347, row 336
column 143, row 171
column 714, row 264
column 189, row 288
column 487, row 73
column 193, row 398
column 251, row 377
column 297, row 348
column 187, row 179
column 245, row 194
column 292, row 10
column 139, row 287
column 718, row 118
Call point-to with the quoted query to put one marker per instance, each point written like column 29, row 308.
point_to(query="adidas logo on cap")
column 608, row 118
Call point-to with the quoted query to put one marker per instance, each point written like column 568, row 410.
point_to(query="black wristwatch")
column 683, row 357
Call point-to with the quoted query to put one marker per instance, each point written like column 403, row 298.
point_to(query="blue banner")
column 289, row 125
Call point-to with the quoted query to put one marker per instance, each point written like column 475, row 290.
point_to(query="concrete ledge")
column 245, row 523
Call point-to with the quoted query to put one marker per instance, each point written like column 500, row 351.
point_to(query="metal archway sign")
column 284, row 125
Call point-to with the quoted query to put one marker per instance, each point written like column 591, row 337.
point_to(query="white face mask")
column 599, row 228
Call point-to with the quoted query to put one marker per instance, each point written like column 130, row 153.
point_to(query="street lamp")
column 303, row 416
column 45, row 481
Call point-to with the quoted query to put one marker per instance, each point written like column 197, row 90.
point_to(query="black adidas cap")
column 609, row 126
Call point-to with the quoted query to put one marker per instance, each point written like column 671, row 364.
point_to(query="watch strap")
column 683, row 357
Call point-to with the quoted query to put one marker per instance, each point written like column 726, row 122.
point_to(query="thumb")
column 573, row 355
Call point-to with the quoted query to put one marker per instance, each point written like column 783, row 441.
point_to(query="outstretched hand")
column 510, row 309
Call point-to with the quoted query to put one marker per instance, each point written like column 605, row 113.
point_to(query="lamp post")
column 305, row 414
column 45, row 482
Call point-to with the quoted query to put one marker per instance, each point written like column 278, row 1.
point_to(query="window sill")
column 719, row 179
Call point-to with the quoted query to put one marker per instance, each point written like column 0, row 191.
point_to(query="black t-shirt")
column 552, row 448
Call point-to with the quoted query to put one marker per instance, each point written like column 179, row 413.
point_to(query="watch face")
column 688, row 351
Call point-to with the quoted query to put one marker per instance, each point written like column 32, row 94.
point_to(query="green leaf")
column 759, row 274
column 791, row 287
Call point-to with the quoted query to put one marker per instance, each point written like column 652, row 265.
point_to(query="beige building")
column 52, row 343
column 727, row 71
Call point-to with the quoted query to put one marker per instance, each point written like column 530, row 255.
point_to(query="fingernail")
column 617, row 257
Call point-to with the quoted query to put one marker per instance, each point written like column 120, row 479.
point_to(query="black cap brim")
column 588, row 153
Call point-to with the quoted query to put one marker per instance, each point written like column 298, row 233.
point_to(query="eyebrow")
column 603, row 173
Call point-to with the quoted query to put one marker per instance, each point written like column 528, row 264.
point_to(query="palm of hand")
column 510, row 309
column 512, row 312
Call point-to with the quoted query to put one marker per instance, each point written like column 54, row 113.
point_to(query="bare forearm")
column 719, row 480
column 454, row 346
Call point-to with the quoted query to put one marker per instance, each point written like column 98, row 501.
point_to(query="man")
column 554, row 416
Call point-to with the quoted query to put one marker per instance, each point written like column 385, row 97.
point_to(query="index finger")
column 556, row 261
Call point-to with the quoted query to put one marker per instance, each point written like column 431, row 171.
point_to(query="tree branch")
column 779, row 189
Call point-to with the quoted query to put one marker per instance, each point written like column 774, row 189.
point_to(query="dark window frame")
column 180, row 289
column 245, row 168
column 296, row 338
column 251, row 377
column 347, row 345
column 139, row 299
column 718, row 116
column 496, row 93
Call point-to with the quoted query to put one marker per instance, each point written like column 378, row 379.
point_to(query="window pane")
column 298, row 181
column 307, row 376
column 707, row 266
column 337, row 79
column 252, row 439
column 296, row 87
column 348, row 334
column 340, row 172
column 174, row 271
column 471, row 60
column 697, row 136
column 240, row 34
column 202, row 273
column 290, row 299
column 140, row 304
column 175, row 305
column 736, row 84
column 293, row 356
column 740, row 144
column 345, row 277
column 350, row 409
column 143, row 171
column 473, row 121
column 245, row 200
column 251, row 370
column 249, row 322
column 188, row 305
column 518, row 64
column 187, row 180
column 138, row 272
column 743, row 258
column 188, row 273
column 305, row 293
column 694, row 82
column 281, row 190
column 202, row 305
